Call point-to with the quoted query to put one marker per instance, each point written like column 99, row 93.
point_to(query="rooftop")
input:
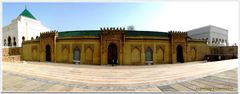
column 26, row 13
column 98, row 32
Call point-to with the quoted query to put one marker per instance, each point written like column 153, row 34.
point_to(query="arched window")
column 213, row 40
column 31, row 38
column 149, row 54
column 9, row 41
column 23, row 38
column 14, row 41
column 5, row 42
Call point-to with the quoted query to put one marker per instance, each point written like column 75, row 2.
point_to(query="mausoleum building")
column 108, row 45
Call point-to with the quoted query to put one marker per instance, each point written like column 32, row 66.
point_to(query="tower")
column 24, row 27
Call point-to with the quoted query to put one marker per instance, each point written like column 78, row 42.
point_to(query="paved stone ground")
column 194, row 76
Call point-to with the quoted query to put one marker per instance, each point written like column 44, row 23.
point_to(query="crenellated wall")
column 113, row 44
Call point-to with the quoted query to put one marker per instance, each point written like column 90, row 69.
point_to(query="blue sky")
column 153, row 16
column 77, row 16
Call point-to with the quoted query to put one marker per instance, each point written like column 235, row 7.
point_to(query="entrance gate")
column 112, row 54
column 180, row 54
column 48, row 53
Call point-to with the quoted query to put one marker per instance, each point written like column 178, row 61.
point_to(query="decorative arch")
column 34, row 54
column 136, row 56
column 65, row 54
column 89, row 56
column 160, row 55
column 193, row 54
column 148, row 54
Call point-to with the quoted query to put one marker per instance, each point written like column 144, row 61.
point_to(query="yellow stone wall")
column 89, row 50
column 132, row 53
column 197, row 50
column 31, row 51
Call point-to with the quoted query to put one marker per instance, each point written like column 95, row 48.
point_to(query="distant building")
column 131, row 27
column 24, row 27
column 214, row 36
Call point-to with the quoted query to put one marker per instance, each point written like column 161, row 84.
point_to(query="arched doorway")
column 112, row 53
column 76, row 55
column 48, row 53
column 180, row 54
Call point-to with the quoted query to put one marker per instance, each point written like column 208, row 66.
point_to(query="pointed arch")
column 65, row 54
column 136, row 56
column 34, row 54
column 89, row 56
column 193, row 54
column 160, row 55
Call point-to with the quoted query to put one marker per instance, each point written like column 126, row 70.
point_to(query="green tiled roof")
column 98, row 32
column 79, row 33
column 146, row 33
column 26, row 13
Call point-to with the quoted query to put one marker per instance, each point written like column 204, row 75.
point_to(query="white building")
column 215, row 36
column 24, row 27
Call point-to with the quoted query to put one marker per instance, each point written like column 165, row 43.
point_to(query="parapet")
column 49, row 34
column 112, row 29
column 177, row 33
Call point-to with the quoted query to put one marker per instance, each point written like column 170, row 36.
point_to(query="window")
column 5, row 42
column 14, row 41
column 149, row 54
column 9, row 41
column 23, row 38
